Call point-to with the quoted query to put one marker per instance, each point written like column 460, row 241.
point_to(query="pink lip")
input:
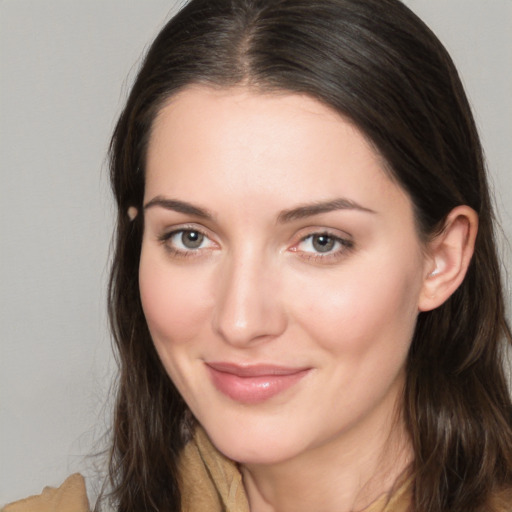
column 255, row 383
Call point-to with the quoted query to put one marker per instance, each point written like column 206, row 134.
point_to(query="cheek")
column 173, row 304
column 368, row 309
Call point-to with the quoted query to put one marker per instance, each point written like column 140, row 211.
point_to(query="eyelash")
column 341, row 245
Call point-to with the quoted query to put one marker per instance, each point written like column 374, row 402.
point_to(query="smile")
column 253, row 384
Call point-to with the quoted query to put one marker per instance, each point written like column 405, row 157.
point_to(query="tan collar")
column 209, row 481
column 212, row 483
column 69, row 497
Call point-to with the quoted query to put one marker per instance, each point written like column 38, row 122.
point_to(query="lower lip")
column 253, row 390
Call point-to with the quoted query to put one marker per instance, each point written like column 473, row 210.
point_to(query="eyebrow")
column 178, row 206
column 309, row 210
column 301, row 212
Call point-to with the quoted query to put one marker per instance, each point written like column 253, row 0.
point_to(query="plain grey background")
column 65, row 69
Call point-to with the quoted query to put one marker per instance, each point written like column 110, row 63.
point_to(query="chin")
column 254, row 446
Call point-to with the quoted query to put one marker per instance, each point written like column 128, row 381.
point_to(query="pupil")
column 192, row 239
column 323, row 243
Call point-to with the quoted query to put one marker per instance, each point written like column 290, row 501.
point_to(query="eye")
column 186, row 241
column 323, row 245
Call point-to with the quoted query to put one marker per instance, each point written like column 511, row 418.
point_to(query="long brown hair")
column 377, row 64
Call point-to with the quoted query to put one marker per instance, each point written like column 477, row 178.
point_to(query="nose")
column 248, row 308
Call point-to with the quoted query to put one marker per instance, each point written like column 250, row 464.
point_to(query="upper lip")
column 254, row 370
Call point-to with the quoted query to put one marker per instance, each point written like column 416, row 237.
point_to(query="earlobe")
column 132, row 212
column 448, row 257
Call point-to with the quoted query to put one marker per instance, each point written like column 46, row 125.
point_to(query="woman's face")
column 280, row 272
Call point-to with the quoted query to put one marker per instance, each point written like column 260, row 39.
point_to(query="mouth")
column 252, row 384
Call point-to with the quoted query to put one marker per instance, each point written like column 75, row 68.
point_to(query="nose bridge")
column 247, row 306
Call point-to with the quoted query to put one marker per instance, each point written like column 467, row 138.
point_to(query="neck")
column 345, row 474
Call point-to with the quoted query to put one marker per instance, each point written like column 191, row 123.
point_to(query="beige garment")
column 209, row 482
column 69, row 497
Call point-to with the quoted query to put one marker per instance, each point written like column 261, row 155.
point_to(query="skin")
column 257, row 290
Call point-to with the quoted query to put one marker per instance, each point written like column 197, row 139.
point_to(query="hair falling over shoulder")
column 378, row 65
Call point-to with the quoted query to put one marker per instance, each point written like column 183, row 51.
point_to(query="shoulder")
column 71, row 496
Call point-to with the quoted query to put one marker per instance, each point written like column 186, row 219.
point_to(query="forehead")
column 228, row 118
column 237, row 142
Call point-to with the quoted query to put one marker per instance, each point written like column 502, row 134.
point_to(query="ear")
column 448, row 257
column 132, row 212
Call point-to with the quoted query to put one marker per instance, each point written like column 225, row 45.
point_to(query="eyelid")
column 308, row 231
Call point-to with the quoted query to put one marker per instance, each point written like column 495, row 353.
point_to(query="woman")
column 305, row 292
